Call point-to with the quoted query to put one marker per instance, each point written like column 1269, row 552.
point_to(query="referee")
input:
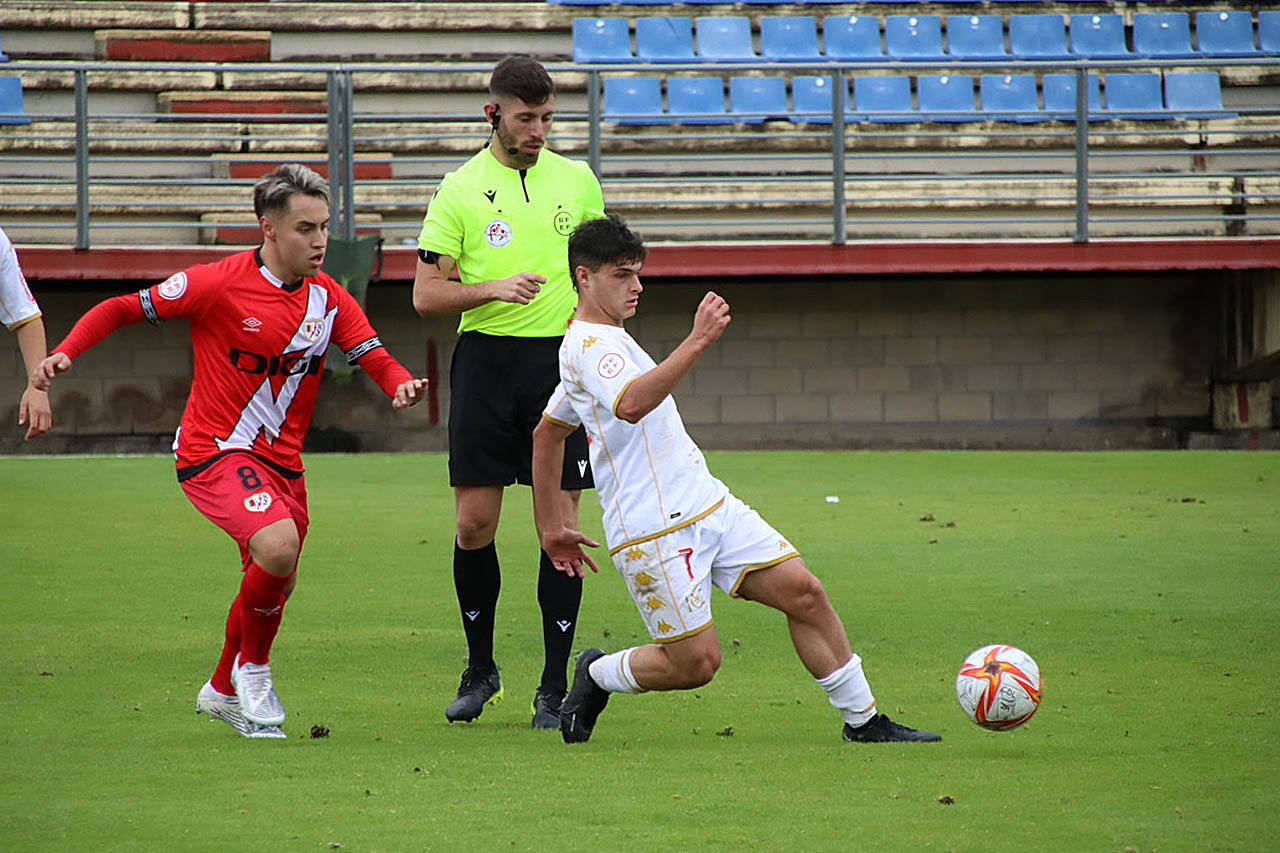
column 502, row 221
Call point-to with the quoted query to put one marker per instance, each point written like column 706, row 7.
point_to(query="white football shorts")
column 670, row 577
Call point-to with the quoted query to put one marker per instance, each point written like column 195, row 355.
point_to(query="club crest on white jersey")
column 611, row 364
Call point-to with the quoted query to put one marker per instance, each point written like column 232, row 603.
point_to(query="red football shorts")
column 241, row 494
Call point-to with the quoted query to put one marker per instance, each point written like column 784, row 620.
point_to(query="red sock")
column 261, row 606
column 230, row 648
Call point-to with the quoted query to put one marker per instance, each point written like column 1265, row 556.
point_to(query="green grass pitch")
column 1145, row 585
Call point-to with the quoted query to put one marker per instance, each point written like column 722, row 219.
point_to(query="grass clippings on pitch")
column 1143, row 583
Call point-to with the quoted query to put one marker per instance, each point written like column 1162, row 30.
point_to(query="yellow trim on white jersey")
column 24, row 321
column 746, row 570
column 715, row 506
column 559, row 422
column 618, row 399
column 662, row 641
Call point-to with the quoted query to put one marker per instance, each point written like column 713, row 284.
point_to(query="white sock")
column 849, row 692
column 613, row 672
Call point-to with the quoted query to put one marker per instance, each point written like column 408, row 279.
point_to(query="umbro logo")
column 251, row 324
column 471, row 614
column 563, row 625
column 491, row 195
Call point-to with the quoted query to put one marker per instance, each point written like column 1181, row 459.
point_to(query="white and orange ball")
column 999, row 687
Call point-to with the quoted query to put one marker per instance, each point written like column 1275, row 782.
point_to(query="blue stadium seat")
column 701, row 97
column 942, row 95
column 1060, row 95
column 883, row 98
column 1269, row 31
column 725, row 39
column 1098, row 36
column 1038, row 37
column 812, row 94
column 851, row 37
column 1135, row 95
column 790, row 39
column 754, row 99
column 601, row 40
column 1225, row 33
column 1162, row 34
column 630, row 100
column 913, row 37
column 1194, row 94
column 11, row 102
column 976, row 37
column 1009, row 97
column 666, row 39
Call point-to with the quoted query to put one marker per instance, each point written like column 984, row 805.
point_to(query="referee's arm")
column 435, row 293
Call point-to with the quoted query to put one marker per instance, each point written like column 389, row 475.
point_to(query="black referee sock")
column 477, row 579
column 559, row 596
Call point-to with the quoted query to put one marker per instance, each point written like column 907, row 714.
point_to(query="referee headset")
column 497, row 117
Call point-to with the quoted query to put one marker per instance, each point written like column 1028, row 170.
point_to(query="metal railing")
column 828, row 175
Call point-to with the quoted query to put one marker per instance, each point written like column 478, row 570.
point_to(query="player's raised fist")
column 711, row 318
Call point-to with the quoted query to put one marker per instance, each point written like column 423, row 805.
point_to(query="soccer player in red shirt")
column 261, row 321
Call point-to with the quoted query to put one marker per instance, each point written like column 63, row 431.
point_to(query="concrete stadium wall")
column 1103, row 360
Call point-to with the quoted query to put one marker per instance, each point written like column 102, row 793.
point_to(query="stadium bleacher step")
column 366, row 165
column 278, row 103
column 184, row 45
column 237, row 229
column 120, row 80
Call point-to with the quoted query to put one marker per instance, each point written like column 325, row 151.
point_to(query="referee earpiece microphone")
column 497, row 117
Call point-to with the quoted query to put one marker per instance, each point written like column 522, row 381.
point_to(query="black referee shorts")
column 498, row 390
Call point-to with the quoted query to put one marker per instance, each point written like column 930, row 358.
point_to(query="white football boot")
column 220, row 706
column 258, row 700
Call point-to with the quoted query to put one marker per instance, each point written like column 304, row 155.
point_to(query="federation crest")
column 258, row 502
column 498, row 233
column 563, row 223
column 173, row 286
column 611, row 364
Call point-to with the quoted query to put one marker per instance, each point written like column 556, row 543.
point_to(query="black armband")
column 432, row 258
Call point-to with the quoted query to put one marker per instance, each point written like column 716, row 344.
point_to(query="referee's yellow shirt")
column 498, row 221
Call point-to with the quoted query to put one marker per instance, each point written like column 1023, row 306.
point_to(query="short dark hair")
column 271, row 194
column 607, row 240
column 521, row 77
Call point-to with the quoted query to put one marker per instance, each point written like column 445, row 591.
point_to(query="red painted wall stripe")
column 750, row 260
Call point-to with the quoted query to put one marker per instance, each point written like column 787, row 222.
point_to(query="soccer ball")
column 999, row 687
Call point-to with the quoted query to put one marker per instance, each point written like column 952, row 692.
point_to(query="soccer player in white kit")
column 673, row 529
column 21, row 315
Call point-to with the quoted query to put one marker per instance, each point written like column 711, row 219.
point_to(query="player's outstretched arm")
column 94, row 325
column 434, row 292
column 551, row 507
column 649, row 390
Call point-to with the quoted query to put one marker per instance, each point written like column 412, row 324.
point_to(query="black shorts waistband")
column 186, row 472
